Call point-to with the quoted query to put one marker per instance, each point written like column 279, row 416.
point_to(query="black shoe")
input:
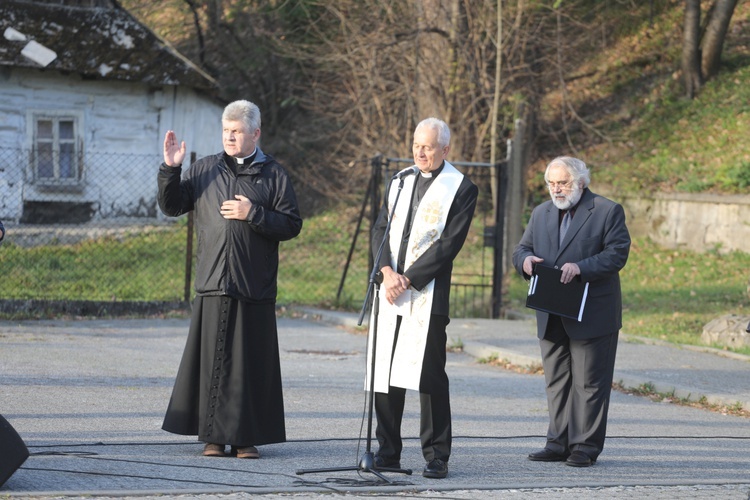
column 381, row 462
column 580, row 459
column 547, row 455
column 436, row 469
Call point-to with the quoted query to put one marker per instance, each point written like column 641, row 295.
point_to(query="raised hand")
column 174, row 153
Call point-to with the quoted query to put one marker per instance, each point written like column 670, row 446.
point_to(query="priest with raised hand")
column 228, row 389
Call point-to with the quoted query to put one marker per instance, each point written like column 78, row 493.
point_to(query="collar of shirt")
column 572, row 211
column 434, row 173
column 247, row 159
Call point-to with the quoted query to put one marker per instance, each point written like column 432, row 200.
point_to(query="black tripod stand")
column 367, row 462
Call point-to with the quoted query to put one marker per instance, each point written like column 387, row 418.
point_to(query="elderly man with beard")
column 582, row 234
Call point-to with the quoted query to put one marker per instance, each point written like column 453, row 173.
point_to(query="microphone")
column 406, row 172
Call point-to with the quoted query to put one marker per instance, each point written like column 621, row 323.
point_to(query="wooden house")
column 87, row 93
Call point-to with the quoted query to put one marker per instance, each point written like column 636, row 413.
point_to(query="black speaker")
column 13, row 451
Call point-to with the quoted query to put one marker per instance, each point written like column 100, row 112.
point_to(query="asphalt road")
column 87, row 398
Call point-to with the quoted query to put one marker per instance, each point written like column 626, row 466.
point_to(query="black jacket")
column 235, row 258
column 437, row 261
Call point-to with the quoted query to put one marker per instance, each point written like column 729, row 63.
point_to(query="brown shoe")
column 245, row 452
column 213, row 450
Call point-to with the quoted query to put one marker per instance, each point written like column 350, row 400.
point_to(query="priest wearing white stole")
column 429, row 227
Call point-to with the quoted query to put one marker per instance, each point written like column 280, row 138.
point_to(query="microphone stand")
column 367, row 462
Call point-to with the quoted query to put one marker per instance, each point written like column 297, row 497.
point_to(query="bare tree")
column 691, row 67
column 701, row 49
column 496, row 100
column 713, row 39
column 340, row 81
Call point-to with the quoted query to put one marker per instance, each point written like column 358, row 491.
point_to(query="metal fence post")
column 377, row 179
column 497, row 278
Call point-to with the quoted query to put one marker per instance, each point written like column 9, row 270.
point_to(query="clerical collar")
column 241, row 161
column 434, row 173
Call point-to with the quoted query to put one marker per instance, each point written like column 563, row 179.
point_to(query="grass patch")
column 455, row 345
column 311, row 266
column 667, row 294
column 649, row 136
column 146, row 266
column 647, row 390
column 495, row 360
column 676, row 140
column 671, row 294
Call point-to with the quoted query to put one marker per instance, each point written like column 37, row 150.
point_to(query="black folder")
column 548, row 294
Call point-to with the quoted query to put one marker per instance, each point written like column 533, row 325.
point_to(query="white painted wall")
column 123, row 127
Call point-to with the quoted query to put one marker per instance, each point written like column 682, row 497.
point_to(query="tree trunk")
column 716, row 32
column 432, row 45
column 495, row 108
column 194, row 8
column 691, row 61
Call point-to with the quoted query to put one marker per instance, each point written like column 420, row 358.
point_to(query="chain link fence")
column 87, row 237
column 83, row 230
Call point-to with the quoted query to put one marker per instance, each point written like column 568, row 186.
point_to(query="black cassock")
column 228, row 387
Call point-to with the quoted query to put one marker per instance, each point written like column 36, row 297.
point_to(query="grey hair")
column 242, row 111
column 575, row 167
column 443, row 131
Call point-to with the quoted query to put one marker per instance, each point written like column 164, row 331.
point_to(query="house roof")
column 97, row 39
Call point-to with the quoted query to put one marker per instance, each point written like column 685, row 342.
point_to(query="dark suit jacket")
column 437, row 261
column 599, row 242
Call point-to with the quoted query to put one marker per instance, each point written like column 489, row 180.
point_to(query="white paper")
column 532, row 284
column 583, row 301
column 403, row 303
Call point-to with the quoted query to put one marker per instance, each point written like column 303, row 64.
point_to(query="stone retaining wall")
column 699, row 222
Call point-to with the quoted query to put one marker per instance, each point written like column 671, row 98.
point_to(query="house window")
column 56, row 151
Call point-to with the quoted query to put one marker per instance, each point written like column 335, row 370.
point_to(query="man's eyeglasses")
column 561, row 185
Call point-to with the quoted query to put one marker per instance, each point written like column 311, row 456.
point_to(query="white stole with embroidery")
column 404, row 368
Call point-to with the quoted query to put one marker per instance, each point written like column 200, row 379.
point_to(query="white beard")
column 567, row 201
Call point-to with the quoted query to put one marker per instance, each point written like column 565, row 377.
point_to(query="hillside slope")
column 638, row 132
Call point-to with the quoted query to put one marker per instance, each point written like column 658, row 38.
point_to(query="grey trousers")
column 578, row 374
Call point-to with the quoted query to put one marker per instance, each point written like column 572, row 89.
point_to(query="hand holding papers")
column 548, row 294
